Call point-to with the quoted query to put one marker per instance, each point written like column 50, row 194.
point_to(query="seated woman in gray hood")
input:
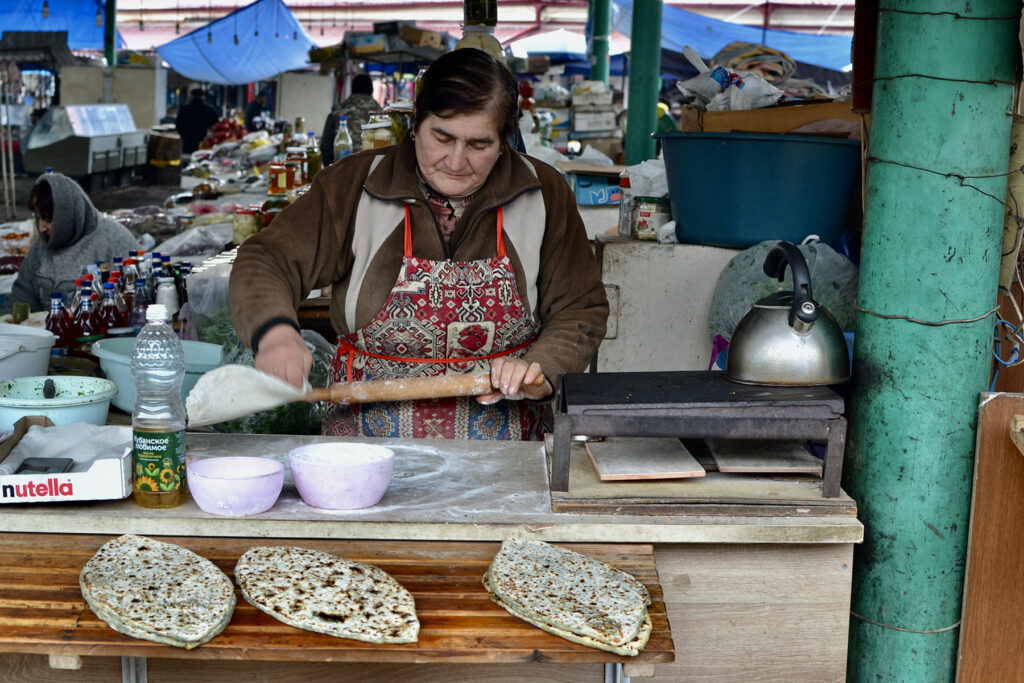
column 72, row 234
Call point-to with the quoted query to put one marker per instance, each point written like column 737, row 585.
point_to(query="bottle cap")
column 156, row 312
column 108, row 285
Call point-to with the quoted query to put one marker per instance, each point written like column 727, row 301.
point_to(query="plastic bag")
column 203, row 240
column 743, row 282
column 719, row 89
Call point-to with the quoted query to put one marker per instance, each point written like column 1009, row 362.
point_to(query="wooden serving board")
column 624, row 458
column 42, row 609
column 752, row 455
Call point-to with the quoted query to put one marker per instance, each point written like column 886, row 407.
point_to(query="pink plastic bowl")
column 341, row 476
column 235, row 486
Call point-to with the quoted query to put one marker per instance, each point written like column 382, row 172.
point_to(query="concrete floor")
column 104, row 200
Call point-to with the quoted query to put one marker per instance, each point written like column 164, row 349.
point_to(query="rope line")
column 906, row 630
column 940, row 323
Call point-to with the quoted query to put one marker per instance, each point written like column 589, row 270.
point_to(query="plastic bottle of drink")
column 342, row 140
column 109, row 315
column 76, row 299
column 88, row 326
column 62, row 327
column 158, row 421
column 141, row 301
column 119, row 300
column 131, row 274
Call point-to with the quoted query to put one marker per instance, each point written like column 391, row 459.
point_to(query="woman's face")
column 456, row 154
column 44, row 226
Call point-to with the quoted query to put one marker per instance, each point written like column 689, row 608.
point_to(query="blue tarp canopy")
column 77, row 17
column 680, row 28
column 251, row 44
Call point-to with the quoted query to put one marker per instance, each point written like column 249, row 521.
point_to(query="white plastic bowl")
column 236, row 485
column 341, row 476
column 116, row 361
column 77, row 399
column 24, row 350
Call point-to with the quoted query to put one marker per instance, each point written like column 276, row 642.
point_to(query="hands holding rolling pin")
column 283, row 353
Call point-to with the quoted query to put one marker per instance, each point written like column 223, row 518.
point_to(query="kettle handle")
column 787, row 254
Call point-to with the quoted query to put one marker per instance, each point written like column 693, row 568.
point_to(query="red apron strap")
column 408, row 233
column 501, row 236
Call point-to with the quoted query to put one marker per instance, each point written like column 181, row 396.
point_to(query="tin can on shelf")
column 648, row 215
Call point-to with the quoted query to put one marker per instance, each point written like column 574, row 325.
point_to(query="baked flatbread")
column 321, row 592
column 571, row 595
column 630, row 649
column 157, row 591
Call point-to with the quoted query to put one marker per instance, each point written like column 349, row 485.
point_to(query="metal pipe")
column 602, row 23
column 644, row 81
column 936, row 175
column 110, row 32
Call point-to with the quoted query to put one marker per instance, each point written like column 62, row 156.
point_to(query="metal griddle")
column 696, row 405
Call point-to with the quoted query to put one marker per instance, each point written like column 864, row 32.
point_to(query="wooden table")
column 42, row 609
column 749, row 597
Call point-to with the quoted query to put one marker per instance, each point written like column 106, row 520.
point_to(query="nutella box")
column 103, row 477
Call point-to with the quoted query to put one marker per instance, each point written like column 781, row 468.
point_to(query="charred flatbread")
column 571, row 595
column 157, row 591
column 321, row 592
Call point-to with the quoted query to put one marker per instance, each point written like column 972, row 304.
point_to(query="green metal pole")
column 937, row 160
column 602, row 23
column 644, row 80
column 110, row 32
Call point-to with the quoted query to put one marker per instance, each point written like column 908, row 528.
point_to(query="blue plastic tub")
column 738, row 189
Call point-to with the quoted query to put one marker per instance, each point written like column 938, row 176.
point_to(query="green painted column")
column 602, row 23
column 110, row 32
column 644, row 80
column 938, row 154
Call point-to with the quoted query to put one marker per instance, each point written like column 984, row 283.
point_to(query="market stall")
column 716, row 574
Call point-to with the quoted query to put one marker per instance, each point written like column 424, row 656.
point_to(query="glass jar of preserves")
column 277, row 178
column 480, row 12
column 295, row 163
column 246, row 223
column 378, row 132
column 648, row 215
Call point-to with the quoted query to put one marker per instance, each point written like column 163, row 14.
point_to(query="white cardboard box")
column 108, row 478
column 587, row 119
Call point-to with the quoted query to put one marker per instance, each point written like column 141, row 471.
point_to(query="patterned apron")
column 441, row 317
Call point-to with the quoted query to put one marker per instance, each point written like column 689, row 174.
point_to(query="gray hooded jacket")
column 80, row 236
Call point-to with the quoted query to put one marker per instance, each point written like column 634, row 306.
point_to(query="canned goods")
column 648, row 215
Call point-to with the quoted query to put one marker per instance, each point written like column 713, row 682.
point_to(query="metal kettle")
column 787, row 339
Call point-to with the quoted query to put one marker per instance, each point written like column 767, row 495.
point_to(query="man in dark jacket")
column 255, row 109
column 194, row 120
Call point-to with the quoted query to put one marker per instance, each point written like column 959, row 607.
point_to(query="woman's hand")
column 283, row 353
column 515, row 379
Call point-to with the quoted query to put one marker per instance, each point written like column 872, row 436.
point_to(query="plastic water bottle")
column 158, row 421
column 342, row 140
column 140, row 302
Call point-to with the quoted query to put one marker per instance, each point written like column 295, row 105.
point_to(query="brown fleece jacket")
column 347, row 231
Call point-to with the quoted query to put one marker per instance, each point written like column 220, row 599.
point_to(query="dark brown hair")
column 40, row 200
column 469, row 81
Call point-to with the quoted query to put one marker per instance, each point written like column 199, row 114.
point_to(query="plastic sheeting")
column 77, row 17
column 251, row 44
column 680, row 28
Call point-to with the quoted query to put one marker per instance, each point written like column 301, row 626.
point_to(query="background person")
column 254, row 110
column 448, row 253
column 194, row 120
column 357, row 107
column 72, row 234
